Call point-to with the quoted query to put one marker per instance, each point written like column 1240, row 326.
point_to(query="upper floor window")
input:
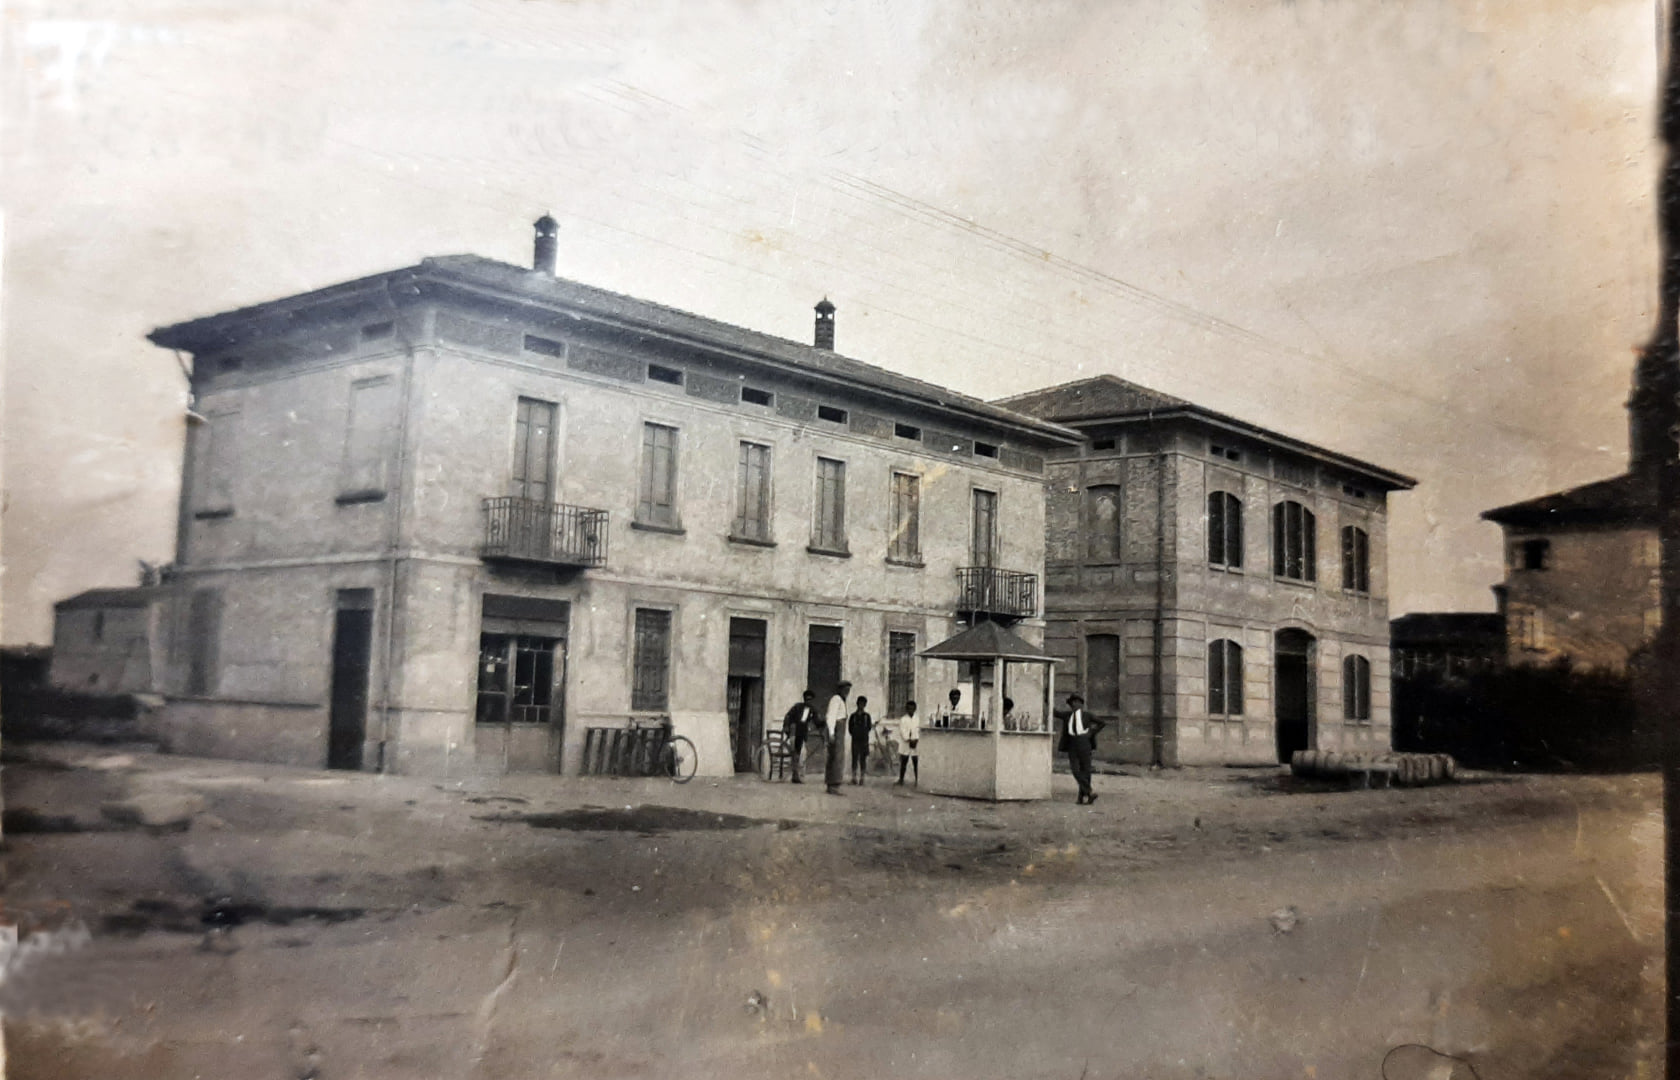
column 1294, row 542
column 533, row 451
column 1535, row 554
column 1356, row 559
column 657, row 502
column 752, row 493
column 1356, row 688
column 1225, row 678
column 828, row 530
column 368, row 441
column 216, row 463
column 1225, row 530
column 984, row 536
column 1102, row 523
column 905, row 544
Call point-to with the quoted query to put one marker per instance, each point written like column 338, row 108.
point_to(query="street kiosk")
column 990, row 752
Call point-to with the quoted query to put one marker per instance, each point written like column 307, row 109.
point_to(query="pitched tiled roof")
column 1109, row 398
column 494, row 280
column 1091, row 399
column 1629, row 499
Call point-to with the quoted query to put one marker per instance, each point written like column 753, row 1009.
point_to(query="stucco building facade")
column 1219, row 590
column 447, row 518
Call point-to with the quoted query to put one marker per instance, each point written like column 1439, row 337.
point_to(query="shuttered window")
column 1356, row 688
column 533, row 451
column 657, row 504
column 905, row 545
column 1356, row 559
column 1225, row 530
column 1225, row 678
column 752, row 492
column 1294, row 542
column 829, row 528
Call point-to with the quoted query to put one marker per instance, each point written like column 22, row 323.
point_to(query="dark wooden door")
column 347, row 720
column 822, row 664
column 746, row 690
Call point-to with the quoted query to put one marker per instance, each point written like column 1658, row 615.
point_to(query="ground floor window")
column 901, row 671
column 1356, row 688
column 1225, row 678
column 515, row 679
column 651, row 670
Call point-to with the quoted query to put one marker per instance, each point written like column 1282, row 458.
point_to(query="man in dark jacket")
column 1079, row 738
column 795, row 726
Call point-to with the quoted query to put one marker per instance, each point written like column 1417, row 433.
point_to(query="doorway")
column 351, row 658
column 746, row 691
column 822, row 663
column 1292, row 675
column 520, row 689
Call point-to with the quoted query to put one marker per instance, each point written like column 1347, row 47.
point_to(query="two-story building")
column 1218, row 589
column 448, row 517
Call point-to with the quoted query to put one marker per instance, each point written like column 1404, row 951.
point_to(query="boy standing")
column 909, row 733
column 858, row 726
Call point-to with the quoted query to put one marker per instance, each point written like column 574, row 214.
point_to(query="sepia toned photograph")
column 1095, row 539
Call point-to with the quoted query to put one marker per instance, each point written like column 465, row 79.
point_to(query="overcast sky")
column 1419, row 233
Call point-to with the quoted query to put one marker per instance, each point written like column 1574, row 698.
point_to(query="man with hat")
column 1079, row 738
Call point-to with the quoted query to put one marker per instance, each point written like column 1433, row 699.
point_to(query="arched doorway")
column 1293, row 698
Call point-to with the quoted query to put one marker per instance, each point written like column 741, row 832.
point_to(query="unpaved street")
column 1217, row 923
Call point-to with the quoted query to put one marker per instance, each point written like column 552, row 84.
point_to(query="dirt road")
column 275, row 922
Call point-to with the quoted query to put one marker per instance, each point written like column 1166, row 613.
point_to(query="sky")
column 1421, row 234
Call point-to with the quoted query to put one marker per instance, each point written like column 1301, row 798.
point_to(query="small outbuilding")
column 995, row 752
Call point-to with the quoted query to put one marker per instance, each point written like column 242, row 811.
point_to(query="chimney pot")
column 546, row 253
column 825, row 325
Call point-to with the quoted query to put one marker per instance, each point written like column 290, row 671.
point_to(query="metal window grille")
column 649, row 687
column 901, row 672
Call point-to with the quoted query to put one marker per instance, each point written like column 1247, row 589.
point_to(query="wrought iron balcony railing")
column 529, row 531
column 986, row 590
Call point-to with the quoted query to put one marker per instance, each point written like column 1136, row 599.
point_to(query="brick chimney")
column 546, row 256
column 825, row 325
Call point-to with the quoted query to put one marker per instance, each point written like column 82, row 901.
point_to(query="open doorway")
column 746, row 691
column 1293, row 689
column 822, row 663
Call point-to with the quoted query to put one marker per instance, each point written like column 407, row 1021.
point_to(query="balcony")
column 524, row 530
column 988, row 591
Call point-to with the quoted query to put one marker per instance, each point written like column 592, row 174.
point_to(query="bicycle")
column 668, row 754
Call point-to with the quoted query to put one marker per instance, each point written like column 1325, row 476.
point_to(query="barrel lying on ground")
column 1407, row 770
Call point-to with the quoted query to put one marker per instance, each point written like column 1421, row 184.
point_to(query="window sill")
column 351, row 498
column 912, row 564
column 1355, row 592
column 213, row 515
column 669, row 530
column 750, row 541
column 1299, row 583
column 1226, row 568
column 833, row 553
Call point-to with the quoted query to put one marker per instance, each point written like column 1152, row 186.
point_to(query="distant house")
column 1449, row 644
column 1218, row 589
column 1582, row 573
column 110, row 641
column 450, row 517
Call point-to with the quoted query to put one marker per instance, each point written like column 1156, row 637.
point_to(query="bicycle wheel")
column 766, row 763
column 680, row 759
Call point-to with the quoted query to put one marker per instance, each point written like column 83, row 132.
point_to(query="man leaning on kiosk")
column 1079, row 738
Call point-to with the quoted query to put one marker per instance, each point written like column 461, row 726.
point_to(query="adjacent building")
column 450, row 517
column 1218, row 589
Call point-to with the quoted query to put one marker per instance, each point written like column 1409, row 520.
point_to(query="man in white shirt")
column 1079, row 738
column 834, row 722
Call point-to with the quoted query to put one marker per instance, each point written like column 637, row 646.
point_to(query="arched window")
column 1356, row 559
column 1225, row 678
column 1294, row 542
column 1225, row 530
column 1102, row 523
column 1356, row 688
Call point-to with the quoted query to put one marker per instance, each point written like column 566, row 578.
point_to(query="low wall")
column 280, row 733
